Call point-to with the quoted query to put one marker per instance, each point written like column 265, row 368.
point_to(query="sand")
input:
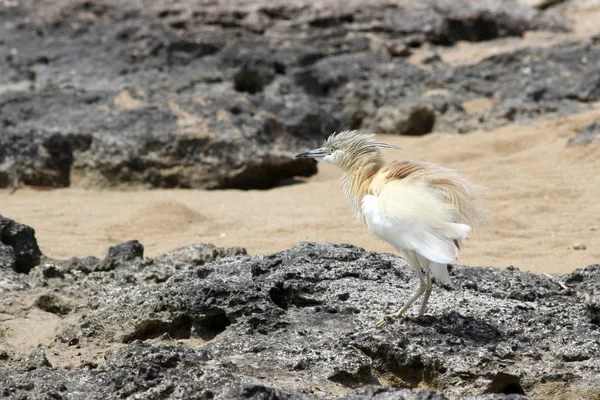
column 543, row 198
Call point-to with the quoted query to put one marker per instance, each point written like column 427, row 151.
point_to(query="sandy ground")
column 543, row 198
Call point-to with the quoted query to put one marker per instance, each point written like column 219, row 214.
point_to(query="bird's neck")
column 356, row 181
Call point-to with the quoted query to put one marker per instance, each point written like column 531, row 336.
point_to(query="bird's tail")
column 440, row 272
column 456, row 231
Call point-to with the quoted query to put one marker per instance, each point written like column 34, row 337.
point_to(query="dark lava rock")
column 18, row 247
column 523, row 86
column 219, row 141
column 44, row 158
column 411, row 120
column 222, row 95
column 586, row 135
column 300, row 324
column 259, row 392
column 253, row 76
column 126, row 251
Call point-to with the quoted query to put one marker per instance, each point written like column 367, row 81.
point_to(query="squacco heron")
column 422, row 209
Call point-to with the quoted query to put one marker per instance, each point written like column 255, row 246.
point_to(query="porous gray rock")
column 135, row 370
column 199, row 254
column 37, row 359
column 300, row 324
column 520, row 86
column 405, row 120
column 7, row 257
column 34, row 158
column 218, row 141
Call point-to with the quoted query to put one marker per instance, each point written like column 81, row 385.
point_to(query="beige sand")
column 544, row 197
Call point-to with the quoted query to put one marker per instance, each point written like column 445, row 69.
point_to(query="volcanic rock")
column 300, row 323
column 18, row 247
column 223, row 95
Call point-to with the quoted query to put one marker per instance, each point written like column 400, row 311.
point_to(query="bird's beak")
column 313, row 153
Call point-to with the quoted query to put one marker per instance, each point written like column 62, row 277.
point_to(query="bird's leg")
column 414, row 262
column 429, row 286
column 418, row 294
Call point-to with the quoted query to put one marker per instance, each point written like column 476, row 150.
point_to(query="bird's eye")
column 330, row 150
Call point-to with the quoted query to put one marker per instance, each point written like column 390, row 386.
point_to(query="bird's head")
column 348, row 148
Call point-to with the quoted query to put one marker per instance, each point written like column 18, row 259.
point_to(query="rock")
column 19, row 249
column 475, row 24
column 432, row 59
column 175, row 372
column 199, row 254
column 583, row 281
column 398, row 49
column 153, row 140
column 12, row 281
column 326, row 75
column 593, row 307
column 259, row 392
column 586, row 135
column 579, row 246
column 305, row 317
column 524, row 85
column 7, row 257
column 52, row 271
column 36, row 360
column 53, row 304
column 364, row 393
column 252, row 77
column 187, row 99
column 381, row 393
column 46, row 158
column 125, row 252
column 503, row 382
column 417, row 120
column 135, row 370
column 442, row 22
column 85, row 265
column 243, row 146
column 542, row 4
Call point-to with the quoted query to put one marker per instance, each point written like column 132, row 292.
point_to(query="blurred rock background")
column 220, row 94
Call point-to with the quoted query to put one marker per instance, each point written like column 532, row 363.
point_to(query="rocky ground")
column 204, row 322
column 221, row 94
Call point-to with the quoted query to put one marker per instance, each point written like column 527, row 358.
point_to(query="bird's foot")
column 388, row 319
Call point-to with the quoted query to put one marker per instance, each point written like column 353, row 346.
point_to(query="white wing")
column 414, row 218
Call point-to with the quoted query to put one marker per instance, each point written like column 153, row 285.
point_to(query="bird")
column 422, row 209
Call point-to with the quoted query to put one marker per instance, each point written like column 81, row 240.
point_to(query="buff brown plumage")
column 422, row 209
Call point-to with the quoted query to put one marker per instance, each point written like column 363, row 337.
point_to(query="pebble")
column 579, row 246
